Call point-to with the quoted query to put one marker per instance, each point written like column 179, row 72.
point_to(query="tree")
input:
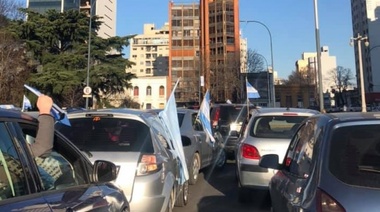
column 342, row 79
column 254, row 62
column 14, row 67
column 58, row 43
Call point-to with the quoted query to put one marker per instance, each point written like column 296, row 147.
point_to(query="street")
column 217, row 191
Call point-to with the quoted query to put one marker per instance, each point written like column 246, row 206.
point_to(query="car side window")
column 60, row 168
column 13, row 182
column 299, row 157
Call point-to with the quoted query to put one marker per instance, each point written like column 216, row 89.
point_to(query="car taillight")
column 326, row 203
column 148, row 164
column 215, row 119
column 250, row 152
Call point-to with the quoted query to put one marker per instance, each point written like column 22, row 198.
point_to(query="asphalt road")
column 216, row 190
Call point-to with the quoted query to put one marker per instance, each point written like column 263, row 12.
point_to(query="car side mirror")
column 269, row 161
column 185, row 141
column 104, row 171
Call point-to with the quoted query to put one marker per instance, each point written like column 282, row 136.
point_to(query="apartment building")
column 366, row 22
column 150, row 53
column 185, row 55
column 220, row 47
column 104, row 9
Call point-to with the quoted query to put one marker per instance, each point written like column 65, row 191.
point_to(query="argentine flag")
column 26, row 105
column 58, row 114
column 252, row 93
column 204, row 116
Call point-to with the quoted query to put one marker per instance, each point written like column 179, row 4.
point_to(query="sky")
column 291, row 23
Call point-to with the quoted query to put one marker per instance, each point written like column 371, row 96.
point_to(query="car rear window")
column 232, row 113
column 275, row 126
column 354, row 156
column 108, row 134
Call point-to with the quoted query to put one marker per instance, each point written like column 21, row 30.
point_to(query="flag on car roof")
column 252, row 93
column 204, row 116
column 169, row 117
column 58, row 114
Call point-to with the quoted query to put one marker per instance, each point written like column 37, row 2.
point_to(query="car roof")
column 282, row 110
column 15, row 114
column 354, row 116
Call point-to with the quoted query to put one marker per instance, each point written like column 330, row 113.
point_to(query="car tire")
column 221, row 160
column 183, row 197
column 194, row 169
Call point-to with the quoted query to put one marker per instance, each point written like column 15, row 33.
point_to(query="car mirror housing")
column 269, row 161
column 104, row 171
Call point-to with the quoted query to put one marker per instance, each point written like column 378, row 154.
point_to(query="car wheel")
column 221, row 160
column 183, row 197
column 194, row 169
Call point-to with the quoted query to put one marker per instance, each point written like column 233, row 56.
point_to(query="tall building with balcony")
column 149, row 52
column 366, row 22
column 104, row 9
column 220, row 48
column 184, row 63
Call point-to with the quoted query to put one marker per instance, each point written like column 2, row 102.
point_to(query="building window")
column 149, row 91
column 162, row 91
column 136, row 91
column 148, row 106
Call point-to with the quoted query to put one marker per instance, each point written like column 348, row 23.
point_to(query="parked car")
column 227, row 119
column 268, row 131
column 136, row 141
column 61, row 180
column 332, row 164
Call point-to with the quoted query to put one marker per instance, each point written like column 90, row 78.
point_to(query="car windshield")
column 354, row 155
column 108, row 134
column 231, row 114
column 275, row 126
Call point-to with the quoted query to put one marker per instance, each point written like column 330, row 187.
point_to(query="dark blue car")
column 62, row 180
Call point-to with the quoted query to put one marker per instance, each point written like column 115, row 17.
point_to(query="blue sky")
column 291, row 23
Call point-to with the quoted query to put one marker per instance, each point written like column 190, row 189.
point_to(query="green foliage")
column 58, row 42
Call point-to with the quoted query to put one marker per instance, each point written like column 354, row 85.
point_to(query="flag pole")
column 246, row 80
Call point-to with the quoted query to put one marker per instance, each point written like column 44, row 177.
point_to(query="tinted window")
column 275, row 126
column 180, row 118
column 354, row 156
column 12, row 177
column 299, row 156
column 232, row 113
column 108, row 134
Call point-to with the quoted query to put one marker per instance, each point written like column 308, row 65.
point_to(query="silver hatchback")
column 136, row 141
column 268, row 131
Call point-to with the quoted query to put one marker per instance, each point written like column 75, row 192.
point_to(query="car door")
column 204, row 141
column 65, row 177
column 18, row 190
column 288, row 185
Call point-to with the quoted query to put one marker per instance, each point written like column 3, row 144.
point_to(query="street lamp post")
column 89, row 51
column 271, row 57
column 360, row 38
column 319, row 63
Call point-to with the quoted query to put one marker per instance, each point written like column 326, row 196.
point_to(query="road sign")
column 87, row 90
column 87, row 95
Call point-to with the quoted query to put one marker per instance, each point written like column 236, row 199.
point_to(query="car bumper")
column 254, row 176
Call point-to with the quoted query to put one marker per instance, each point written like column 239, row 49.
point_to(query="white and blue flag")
column 58, row 114
column 252, row 93
column 26, row 105
column 204, row 116
column 169, row 117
